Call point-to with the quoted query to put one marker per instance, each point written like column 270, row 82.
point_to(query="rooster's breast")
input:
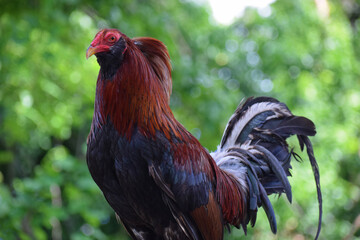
column 118, row 167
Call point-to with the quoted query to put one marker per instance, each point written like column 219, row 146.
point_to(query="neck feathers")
column 138, row 95
column 158, row 58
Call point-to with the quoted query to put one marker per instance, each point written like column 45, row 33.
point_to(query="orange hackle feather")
column 140, row 90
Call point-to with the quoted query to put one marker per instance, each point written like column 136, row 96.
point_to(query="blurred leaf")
column 47, row 93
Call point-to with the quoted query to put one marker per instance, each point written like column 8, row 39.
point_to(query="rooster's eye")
column 112, row 39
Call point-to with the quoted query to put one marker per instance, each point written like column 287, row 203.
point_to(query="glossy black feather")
column 266, row 204
column 253, row 123
column 316, row 172
column 131, row 186
column 239, row 112
column 256, row 135
column 291, row 125
column 277, row 169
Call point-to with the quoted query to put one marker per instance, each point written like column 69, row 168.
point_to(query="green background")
column 306, row 59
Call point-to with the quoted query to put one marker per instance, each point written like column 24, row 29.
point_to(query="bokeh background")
column 304, row 52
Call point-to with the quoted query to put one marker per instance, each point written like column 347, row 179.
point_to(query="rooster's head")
column 109, row 47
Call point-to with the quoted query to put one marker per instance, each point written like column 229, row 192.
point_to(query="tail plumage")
column 254, row 151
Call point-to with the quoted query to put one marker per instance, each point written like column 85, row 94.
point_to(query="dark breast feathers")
column 134, row 177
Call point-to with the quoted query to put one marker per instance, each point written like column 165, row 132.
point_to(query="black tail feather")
column 295, row 125
column 315, row 169
column 256, row 137
column 276, row 167
column 268, row 209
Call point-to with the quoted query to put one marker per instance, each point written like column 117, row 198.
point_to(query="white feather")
column 234, row 163
column 254, row 110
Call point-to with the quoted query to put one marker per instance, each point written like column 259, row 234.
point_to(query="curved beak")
column 90, row 51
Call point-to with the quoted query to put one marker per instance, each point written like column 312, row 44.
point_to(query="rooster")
column 160, row 181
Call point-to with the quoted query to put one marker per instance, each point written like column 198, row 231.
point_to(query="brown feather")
column 208, row 219
column 231, row 197
column 158, row 57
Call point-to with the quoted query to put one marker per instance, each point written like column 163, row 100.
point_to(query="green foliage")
column 47, row 93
